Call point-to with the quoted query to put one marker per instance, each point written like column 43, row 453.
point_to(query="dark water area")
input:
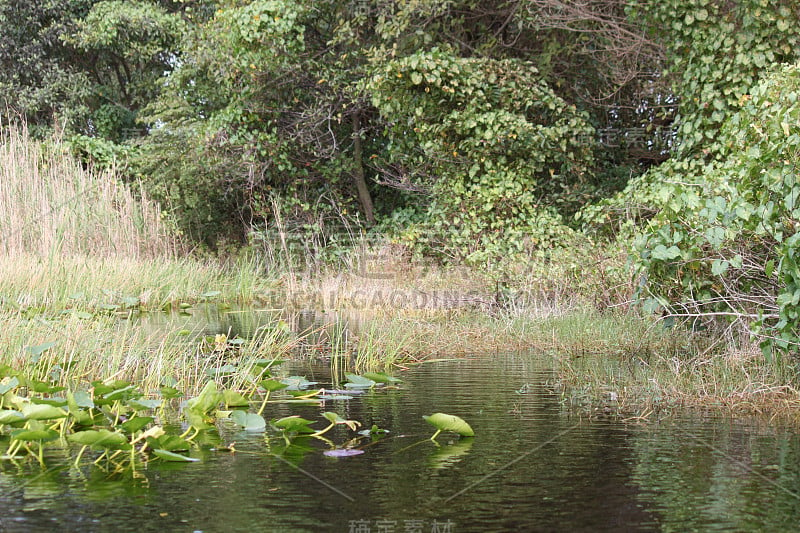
column 534, row 465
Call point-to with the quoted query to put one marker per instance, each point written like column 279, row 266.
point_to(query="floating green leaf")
column 170, row 443
column 142, row 404
column 272, row 385
column 55, row 401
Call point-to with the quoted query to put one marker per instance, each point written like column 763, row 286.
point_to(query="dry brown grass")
column 50, row 205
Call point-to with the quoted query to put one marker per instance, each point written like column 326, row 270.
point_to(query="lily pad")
column 175, row 457
column 334, row 397
column 55, row 401
column 272, row 384
column 249, row 421
column 171, row 443
column 342, row 452
column 141, row 404
column 297, row 382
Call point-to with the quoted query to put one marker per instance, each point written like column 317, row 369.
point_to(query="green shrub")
column 727, row 243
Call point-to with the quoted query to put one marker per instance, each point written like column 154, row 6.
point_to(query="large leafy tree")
column 241, row 111
column 37, row 80
column 87, row 65
column 124, row 48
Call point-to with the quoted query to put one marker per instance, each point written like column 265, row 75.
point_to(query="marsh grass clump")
column 50, row 206
column 684, row 370
column 69, row 351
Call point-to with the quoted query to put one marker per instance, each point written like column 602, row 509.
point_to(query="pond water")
column 534, row 465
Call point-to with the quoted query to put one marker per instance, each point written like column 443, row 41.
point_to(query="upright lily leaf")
column 334, row 418
column 294, row 424
column 211, row 294
column 358, row 382
column 8, row 416
column 101, row 439
column 207, row 400
column 231, row 398
column 11, row 384
column 445, row 422
column 197, row 419
column 169, row 393
column 42, row 412
column 136, row 423
column 81, row 399
column 39, row 349
column 297, row 382
column 34, row 435
column 381, row 377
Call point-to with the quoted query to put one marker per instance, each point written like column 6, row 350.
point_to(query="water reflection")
column 534, row 465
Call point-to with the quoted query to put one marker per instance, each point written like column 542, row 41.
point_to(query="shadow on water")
column 534, row 465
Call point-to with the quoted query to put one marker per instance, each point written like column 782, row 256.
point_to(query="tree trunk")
column 364, row 197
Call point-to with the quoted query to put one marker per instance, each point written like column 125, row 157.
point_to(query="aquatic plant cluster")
column 124, row 428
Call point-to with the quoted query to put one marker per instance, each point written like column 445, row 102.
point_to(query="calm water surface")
column 533, row 466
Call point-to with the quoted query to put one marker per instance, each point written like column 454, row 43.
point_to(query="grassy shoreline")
column 611, row 361
column 74, row 265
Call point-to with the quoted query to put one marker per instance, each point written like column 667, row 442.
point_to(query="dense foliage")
column 730, row 244
column 467, row 130
column 495, row 150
